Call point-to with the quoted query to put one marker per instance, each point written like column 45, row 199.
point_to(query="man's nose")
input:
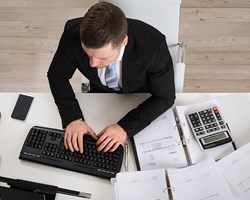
column 94, row 62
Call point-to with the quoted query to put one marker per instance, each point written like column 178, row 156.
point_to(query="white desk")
column 43, row 112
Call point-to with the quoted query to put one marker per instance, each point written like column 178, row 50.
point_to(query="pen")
column 74, row 193
column 126, row 156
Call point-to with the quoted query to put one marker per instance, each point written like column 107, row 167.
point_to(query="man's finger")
column 101, row 140
column 103, row 144
column 115, row 146
column 80, row 143
column 65, row 141
column 68, row 141
column 74, row 142
column 109, row 145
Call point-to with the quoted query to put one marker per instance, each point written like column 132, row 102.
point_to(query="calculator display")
column 214, row 138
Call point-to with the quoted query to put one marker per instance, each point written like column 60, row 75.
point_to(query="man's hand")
column 73, row 138
column 110, row 138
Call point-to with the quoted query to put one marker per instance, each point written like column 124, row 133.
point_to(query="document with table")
column 228, row 179
column 132, row 185
column 168, row 141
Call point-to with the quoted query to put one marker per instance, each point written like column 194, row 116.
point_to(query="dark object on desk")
column 15, row 194
column 21, row 189
column 45, row 145
column 22, row 107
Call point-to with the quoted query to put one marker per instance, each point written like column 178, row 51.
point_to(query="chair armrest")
column 180, row 67
column 182, row 52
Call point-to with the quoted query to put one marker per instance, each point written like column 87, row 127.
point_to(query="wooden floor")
column 217, row 33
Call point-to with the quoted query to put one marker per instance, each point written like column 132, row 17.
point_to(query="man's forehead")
column 103, row 52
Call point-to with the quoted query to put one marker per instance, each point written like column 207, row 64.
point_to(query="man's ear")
column 125, row 41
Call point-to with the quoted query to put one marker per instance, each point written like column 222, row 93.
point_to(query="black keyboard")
column 45, row 145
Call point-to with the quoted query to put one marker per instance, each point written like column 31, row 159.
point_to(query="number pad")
column 207, row 116
column 206, row 121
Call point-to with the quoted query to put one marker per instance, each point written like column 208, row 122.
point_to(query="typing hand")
column 73, row 138
column 110, row 138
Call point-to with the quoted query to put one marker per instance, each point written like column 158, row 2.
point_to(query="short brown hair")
column 102, row 24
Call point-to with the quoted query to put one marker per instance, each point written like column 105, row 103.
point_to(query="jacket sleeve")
column 60, row 72
column 162, row 88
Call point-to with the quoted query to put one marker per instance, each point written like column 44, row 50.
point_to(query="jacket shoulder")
column 73, row 24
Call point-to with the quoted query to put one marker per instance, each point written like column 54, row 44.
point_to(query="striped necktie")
column 111, row 76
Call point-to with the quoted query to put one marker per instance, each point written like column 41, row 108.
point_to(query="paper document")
column 236, row 169
column 146, row 185
column 159, row 144
column 202, row 181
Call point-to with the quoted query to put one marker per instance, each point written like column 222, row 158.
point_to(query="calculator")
column 209, row 127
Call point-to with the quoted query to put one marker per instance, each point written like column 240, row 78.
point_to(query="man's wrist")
column 80, row 119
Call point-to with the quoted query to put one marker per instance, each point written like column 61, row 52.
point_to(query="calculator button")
column 197, row 129
column 200, row 133
column 221, row 122
column 215, row 108
column 219, row 118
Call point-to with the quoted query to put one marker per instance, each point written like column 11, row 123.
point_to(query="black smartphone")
column 22, row 107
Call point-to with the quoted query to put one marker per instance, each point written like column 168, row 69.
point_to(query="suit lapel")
column 129, row 64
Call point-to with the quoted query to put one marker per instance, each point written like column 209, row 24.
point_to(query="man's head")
column 103, row 31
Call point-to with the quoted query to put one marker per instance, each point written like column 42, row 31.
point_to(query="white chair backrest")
column 162, row 14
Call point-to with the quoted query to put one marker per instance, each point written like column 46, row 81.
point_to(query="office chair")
column 163, row 15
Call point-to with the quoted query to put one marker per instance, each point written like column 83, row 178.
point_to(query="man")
column 136, row 55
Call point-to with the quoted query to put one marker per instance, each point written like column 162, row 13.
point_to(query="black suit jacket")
column 146, row 67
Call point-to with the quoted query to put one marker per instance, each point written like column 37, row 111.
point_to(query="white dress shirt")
column 101, row 72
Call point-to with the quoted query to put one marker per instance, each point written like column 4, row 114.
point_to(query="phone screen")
column 22, row 107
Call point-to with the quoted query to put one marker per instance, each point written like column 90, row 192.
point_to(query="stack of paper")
column 226, row 179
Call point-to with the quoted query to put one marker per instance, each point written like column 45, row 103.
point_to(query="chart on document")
column 160, row 140
column 205, row 177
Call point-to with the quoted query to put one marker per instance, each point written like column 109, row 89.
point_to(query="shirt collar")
column 121, row 53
